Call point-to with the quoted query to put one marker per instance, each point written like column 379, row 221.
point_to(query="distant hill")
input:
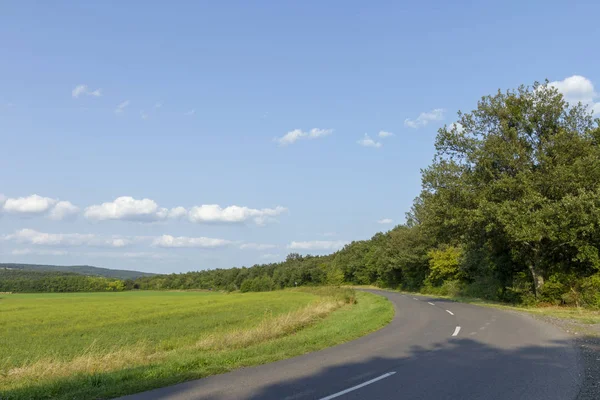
column 78, row 269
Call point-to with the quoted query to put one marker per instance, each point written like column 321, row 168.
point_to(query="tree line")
column 30, row 281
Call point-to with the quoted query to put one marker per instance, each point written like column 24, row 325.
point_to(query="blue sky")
column 169, row 137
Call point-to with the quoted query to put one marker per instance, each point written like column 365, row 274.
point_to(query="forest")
column 32, row 281
column 509, row 211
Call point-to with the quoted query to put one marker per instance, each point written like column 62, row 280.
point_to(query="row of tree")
column 28, row 281
column 509, row 211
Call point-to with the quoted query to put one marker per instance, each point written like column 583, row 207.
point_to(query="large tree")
column 518, row 176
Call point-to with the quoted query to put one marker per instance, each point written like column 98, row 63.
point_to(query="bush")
column 590, row 291
column 444, row 265
column 258, row 284
column 483, row 287
column 521, row 291
column 263, row 284
column 247, row 286
column 553, row 291
column 452, row 288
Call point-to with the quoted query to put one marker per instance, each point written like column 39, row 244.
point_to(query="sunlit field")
column 101, row 345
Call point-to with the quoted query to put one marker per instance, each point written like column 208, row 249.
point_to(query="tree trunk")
column 538, row 280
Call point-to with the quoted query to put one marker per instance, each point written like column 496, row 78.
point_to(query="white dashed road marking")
column 449, row 312
column 333, row 396
column 430, row 303
column 456, row 330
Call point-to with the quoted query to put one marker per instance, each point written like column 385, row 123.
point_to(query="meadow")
column 103, row 345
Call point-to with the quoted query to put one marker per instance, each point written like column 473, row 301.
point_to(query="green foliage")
column 32, row 281
column 258, row 284
column 516, row 184
column 335, row 276
column 590, row 288
column 444, row 265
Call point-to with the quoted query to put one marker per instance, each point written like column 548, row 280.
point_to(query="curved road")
column 433, row 349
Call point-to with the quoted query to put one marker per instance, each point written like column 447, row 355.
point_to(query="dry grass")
column 271, row 328
column 91, row 363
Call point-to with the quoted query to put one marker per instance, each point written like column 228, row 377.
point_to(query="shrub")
column 553, row 291
column 520, row 291
column 590, row 291
column 452, row 288
column 444, row 264
column 483, row 288
column 258, row 284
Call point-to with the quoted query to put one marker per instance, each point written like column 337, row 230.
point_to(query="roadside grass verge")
column 573, row 314
column 577, row 315
column 317, row 319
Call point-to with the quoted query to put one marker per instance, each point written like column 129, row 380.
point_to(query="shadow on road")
column 457, row 369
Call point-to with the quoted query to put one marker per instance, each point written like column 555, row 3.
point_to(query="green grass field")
column 102, row 345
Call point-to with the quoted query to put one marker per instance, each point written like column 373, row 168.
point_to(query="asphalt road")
column 421, row 354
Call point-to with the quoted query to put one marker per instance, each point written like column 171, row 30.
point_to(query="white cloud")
column 579, row 89
column 257, row 246
column 425, row 118
column 385, row 221
column 232, row 214
column 177, row 212
column 143, row 115
column 129, row 254
column 31, row 236
column 316, row 132
column 292, row 136
column 117, row 242
column 191, row 112
column 384, row 134
column 38, row 205
column 158, row 105
column 83, row 90
column 182, row 241
column 129, row 209
column 317, row 245
column 79, row 90
column 142, row 254
column 24, row 252
column 33, row 204
column 121, row 107
column 62, row 210
column 368, row 142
